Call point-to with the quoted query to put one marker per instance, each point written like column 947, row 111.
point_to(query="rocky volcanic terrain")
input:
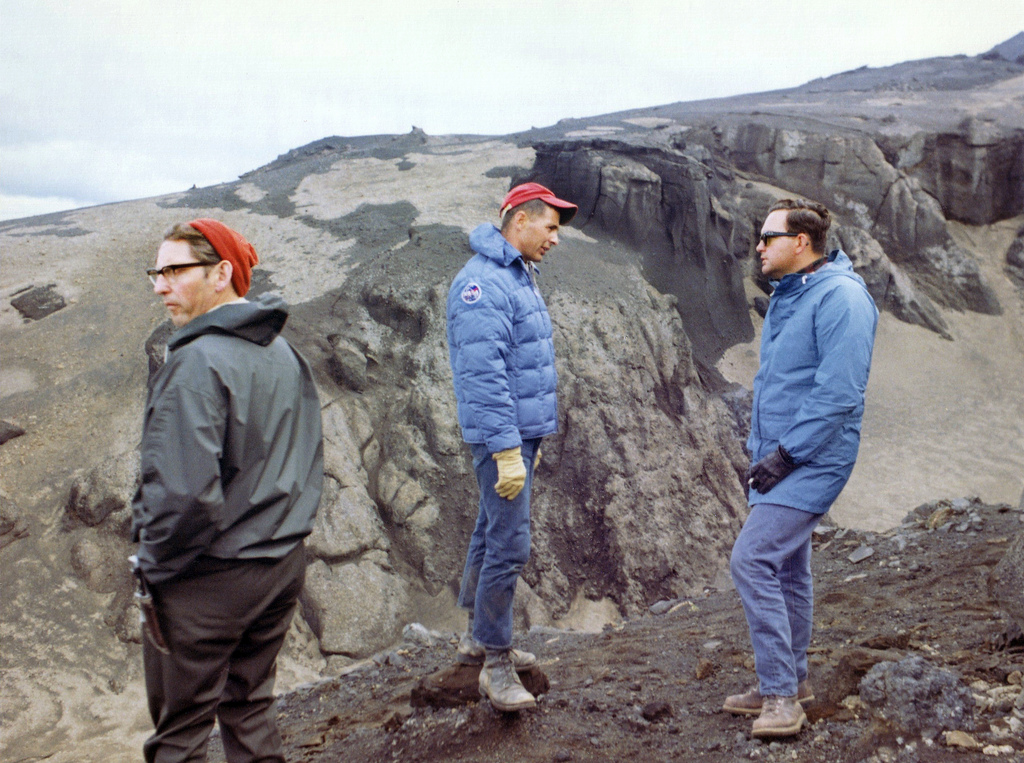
column 910, row 662
column 656, row 305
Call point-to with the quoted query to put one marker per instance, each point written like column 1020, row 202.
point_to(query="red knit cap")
column 233, row 247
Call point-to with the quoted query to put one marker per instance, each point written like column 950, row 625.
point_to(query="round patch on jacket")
column 471, row 293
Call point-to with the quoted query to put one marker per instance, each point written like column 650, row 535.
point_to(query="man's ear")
column 223, row 273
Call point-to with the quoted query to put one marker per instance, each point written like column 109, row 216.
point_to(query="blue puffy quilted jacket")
column 809, row 392
column 500, row 347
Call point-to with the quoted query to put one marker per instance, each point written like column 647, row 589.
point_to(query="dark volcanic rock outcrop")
column 976, row 171
column 1015, row 260
column 658, row 200
column 37, row 302
column 1010, row 50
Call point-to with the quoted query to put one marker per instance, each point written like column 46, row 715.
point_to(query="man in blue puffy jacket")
column 503, row 367
column 805, row 430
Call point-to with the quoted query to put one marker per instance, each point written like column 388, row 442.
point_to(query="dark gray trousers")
column 225, row 627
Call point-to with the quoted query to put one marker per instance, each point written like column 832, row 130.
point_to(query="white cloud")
column 16, row 207
column 82, row 169
column 116, row 99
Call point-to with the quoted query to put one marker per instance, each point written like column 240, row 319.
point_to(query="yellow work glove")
column 511, row 473
column 536, row 460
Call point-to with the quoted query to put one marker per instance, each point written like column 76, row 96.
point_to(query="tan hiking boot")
column 472, row 652
column 750, row 703
column 780, row 717
column 500, row 683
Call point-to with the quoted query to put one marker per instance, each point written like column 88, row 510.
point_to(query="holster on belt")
column 147, row 610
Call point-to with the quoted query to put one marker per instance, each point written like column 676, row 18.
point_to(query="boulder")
column 1015, row 260
column 1006, row 581
column 346, row 524
column 104, row 494
column 9, row 431
column 37, row 302
column 354, row 608
column 841, row 677
column 101, row 561
column 913, row 696
column 632, row 499
column 12, row 525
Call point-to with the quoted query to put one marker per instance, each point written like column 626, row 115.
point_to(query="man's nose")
column 554, row 239
column 160, row 285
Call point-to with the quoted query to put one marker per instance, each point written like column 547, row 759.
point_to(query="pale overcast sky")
column 108, row 100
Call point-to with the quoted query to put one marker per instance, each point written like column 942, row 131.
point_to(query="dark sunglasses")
column 168, row 270
column 768, row 235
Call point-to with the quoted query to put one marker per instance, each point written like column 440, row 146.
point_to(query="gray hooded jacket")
column 232, row 450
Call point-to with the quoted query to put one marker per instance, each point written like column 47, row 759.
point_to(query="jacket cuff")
column 504, row 442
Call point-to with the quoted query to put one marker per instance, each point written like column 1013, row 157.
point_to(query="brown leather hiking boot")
column 750, row 703
column 500, row 683
column 780, row 717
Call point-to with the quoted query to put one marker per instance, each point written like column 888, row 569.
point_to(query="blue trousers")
column 771, row 567
column 498, row 550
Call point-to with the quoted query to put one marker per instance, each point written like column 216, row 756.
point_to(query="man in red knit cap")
column 232, row 469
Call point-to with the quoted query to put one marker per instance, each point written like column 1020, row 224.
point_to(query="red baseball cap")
column 530, row 191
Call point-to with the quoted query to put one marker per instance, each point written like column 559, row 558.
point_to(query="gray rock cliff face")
column 850, row 174
column 696, row 223
column 659, row 200
column 975, row 172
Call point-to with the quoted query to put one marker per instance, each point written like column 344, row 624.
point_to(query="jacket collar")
column 258, row 321
column 487, row 240
column 836, row 263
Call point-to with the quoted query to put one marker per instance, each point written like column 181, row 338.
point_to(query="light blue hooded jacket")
column 809, row 392
column 500, row 347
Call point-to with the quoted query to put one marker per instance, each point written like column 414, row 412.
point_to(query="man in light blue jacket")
column 503, row 367
column 805, row 431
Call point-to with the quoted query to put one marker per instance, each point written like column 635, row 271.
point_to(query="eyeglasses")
column 768, row 235
column 168, row 270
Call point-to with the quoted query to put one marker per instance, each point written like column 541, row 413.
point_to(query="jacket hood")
column 259, row 321
column 837, row 264
column 487, row 240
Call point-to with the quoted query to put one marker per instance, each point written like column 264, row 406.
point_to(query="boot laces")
column 772, row 704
